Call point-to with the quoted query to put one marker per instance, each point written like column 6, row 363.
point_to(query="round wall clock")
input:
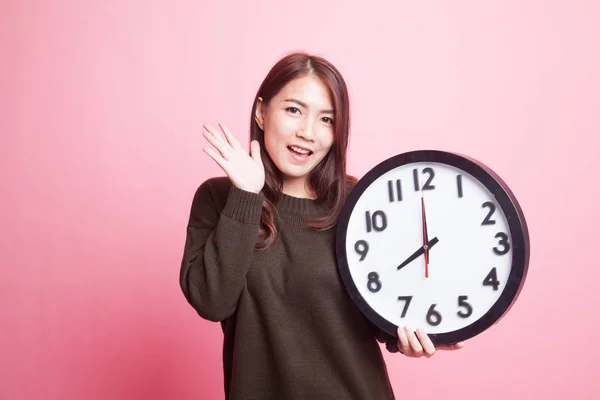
column 435, row 240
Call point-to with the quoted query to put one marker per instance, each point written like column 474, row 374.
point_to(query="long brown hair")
column 328, row 179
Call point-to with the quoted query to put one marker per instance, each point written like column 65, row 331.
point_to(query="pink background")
column 101, row 108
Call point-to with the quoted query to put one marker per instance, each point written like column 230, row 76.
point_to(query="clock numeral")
column 398, row 193
column 504, row 242
column 362, row 248
column 487, row 220
column 459, row 185
column 407, row 300
column 492, row 279
column 377, row 222
column 374, row 284
column 462, row 302
column 428, row 185
column 434, row 318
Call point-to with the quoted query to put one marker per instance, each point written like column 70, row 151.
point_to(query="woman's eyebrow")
column 330, row 111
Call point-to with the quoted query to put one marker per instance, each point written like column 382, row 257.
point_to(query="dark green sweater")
column 290, row 329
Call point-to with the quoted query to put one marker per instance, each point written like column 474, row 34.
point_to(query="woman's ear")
column 259, row 113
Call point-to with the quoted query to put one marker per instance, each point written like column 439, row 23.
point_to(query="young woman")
column 259, row 255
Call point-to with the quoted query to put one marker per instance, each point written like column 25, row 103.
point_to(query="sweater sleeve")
column 391, row 343
column 218, row 249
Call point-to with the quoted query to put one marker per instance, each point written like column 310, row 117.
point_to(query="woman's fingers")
column 216, row 156
column 255, row 150
column 408, row 343
column 245, row 172
column 403, row 344
column 217, row 141
column 455, row 346
column 229, row 136
column 213, row 131
column 426, row 343
column 415, row 345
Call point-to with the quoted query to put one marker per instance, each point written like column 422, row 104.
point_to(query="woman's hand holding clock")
column 417, row 344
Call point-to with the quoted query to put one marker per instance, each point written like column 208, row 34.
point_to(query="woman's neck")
column 297, row 188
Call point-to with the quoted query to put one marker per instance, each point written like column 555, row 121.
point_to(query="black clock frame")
column 506, row 200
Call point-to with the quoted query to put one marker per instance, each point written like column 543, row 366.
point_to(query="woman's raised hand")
column 245, row 171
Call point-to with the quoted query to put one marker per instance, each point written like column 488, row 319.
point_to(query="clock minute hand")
column 425, row 237
column 417, row 253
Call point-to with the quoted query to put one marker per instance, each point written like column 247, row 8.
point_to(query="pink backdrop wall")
column 101, row 107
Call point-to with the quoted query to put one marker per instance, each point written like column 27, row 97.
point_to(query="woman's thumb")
column 255, row 150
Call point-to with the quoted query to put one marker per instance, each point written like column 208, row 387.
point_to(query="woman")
column 260, row 257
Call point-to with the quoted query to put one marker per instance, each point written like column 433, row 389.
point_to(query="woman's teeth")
column 299, row 150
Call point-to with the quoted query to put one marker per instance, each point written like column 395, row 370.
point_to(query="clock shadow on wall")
column 393, row 285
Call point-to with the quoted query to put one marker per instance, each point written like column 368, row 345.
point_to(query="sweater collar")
column 299, row 205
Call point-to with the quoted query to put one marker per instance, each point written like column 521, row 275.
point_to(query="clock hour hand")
column 417, row 253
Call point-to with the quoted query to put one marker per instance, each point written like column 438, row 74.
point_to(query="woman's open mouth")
column 299, row 152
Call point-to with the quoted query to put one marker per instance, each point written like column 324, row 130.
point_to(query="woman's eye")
column 293, row 110
column 328, row 120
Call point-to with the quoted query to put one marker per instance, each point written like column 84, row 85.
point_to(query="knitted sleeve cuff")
column 392, row 346
column 244, row 206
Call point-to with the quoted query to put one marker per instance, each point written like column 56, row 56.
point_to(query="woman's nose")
column 306, row 131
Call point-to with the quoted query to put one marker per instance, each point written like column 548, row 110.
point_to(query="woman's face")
column 298, row 127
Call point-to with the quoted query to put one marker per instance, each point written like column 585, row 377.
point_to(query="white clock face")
column 470, row 247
